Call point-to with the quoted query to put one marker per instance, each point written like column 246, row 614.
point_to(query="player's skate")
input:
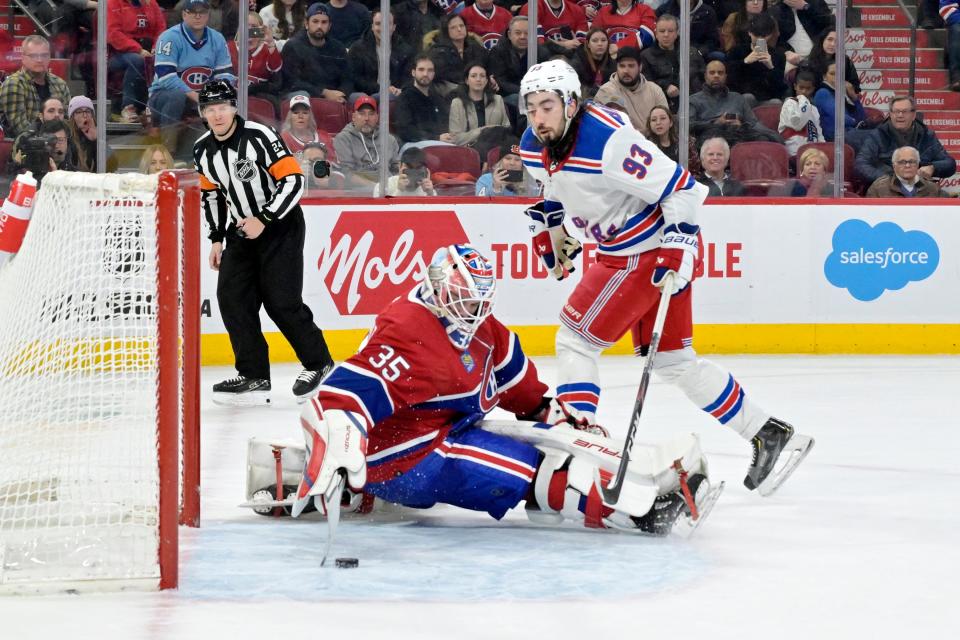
column 242, row 391
column 775, row 443
column 308, row 381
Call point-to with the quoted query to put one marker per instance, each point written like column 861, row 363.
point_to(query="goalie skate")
column 777, row 451
column 686, row 525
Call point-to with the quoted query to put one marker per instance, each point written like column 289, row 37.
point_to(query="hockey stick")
column 611, row 493
column 331, row 508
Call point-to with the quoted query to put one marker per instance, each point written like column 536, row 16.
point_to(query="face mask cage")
column 463, row 288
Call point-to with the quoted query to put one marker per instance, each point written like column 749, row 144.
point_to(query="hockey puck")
column 348, row 563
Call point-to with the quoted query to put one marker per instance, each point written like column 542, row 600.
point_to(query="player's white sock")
column 578, row 376
column 712, row 389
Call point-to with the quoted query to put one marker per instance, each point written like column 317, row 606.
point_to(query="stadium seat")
column 450, row 159
column 330, row 115
column 261, row 110
column 875, row 116
column 759, row 165
column 492, row 157
column 6, row 149
column 768, row 115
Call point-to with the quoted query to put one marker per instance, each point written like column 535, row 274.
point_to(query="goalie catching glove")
column 678, row 254
column 336, row 441
column 551, row 242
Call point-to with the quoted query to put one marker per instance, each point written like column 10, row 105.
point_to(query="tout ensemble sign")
column 869, row 260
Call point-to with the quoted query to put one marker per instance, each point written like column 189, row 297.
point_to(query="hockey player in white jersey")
column 607, row 180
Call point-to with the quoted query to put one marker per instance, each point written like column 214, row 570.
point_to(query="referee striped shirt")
column 250, row 174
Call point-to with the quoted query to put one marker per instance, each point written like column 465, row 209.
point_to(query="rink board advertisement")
column 775, row 278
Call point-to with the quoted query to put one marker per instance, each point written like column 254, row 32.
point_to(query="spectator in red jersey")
column 487, row 21
column 264, row 61
column 300, row 128
column 133, row 27
column 593, row 62
column 562, row 27
column 627, row 23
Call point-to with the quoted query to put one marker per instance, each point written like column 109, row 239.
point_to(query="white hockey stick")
column 611, row 493
column 330, row 505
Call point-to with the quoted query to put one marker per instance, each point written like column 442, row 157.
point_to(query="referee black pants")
column 268, row 272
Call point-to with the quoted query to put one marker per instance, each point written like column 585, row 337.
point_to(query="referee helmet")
column 216, row 92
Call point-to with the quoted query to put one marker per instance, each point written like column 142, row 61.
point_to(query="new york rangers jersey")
column 616, row 186
column 183, row 63
column 413, row 388
column 489, row 28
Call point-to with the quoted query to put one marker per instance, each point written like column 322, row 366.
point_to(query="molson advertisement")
column 774, row 278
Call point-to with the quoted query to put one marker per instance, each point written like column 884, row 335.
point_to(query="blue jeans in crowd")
column 953, row 50
column 134, row 82
column 167, row 107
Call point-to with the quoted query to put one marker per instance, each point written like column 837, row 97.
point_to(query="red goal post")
column 99, row 380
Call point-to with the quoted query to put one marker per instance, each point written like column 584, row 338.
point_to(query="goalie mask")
column 459, row 288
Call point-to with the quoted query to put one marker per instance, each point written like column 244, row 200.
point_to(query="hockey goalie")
column 404, row 421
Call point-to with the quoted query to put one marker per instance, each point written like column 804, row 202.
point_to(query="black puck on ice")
column 348, row 563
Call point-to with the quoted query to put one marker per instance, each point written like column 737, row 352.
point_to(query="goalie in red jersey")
column 403, row 419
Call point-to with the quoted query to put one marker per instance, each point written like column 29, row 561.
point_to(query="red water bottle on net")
column 15, row 215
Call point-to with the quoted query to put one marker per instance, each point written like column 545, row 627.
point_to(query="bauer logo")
column 375, row 256
column 867, row 260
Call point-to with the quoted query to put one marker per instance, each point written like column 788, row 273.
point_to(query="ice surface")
column 859, row 543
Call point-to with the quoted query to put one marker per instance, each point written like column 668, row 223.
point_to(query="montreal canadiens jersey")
column 616, row 186
column 570, row 23
column 186, row 64
column 412, row 386
column 491, row 29
column 639, row 22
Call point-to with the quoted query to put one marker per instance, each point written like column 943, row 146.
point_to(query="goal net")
column 98, row 384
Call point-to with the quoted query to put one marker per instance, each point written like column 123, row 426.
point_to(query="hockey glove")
column 551, row 242
column 336, row 441
column 679, row 249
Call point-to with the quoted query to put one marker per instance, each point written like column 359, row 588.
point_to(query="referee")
column 251, row 188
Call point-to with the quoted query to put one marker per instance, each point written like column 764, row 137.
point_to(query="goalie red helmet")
column 460, row 286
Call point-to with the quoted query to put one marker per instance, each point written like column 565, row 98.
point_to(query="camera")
column 514, row 175
column 255, row 32
column 321, row 169
column 37, row 151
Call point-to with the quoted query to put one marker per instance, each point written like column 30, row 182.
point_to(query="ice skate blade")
column 248, row 399
column 686, row 526
column 302, row 399
column 796, row 450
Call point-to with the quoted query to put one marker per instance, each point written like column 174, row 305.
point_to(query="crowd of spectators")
column 454, row 75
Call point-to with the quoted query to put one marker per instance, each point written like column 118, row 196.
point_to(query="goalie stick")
column 330, row 505
column 611, row 493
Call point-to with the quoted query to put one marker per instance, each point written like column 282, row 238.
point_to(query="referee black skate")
column 251, row 188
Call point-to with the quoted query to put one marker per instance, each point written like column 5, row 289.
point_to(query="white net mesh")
column 78, row 386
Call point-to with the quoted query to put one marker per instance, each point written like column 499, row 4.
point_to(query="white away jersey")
column 616, row 186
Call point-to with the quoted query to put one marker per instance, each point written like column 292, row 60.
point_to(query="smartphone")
column 760, row 46
column 415, row 175
column 514, row 175
column 255, row 32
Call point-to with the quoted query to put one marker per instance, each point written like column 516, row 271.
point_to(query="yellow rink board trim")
column 707, row 338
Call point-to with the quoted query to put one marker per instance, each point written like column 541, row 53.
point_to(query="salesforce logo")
column 867, row 260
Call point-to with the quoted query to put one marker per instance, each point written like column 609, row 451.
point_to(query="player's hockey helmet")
column 216, row 92
column 553, row 75
column 460, row 287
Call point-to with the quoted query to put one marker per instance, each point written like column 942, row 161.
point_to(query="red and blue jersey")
column 489, row 28
column 412, row 387
column 949, row 12
column 566, row 23
column 637, row 23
